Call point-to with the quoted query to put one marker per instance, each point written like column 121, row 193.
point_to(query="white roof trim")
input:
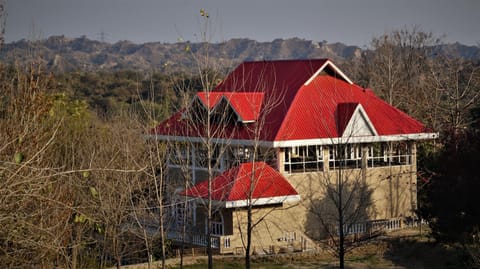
column 352, row 126
column 237, row 142
column 334, row 67
column 301, row 142
column 354, row 140
column 263, row 201
column 258, row 201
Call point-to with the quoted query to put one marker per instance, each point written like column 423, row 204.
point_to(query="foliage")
column 31, row 186
column 451, row 199
column 150, row 97
column 70, row 181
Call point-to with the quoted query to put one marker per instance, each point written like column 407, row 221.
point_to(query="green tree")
column 451, row 199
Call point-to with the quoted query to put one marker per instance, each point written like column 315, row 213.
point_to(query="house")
column 271, row 135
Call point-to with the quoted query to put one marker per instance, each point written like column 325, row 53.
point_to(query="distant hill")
column 60, row 53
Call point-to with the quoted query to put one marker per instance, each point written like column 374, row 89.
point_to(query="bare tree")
column 340, row 196
column 39, row 194
column 256, row 152
column 408, row 69
column 207, row 124
column 157, row 194
column 341, row 200
column 71, row 183
column 345, row 195
column 454, row 90
column 397, row 64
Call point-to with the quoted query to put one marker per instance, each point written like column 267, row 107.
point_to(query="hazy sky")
column 353, row 22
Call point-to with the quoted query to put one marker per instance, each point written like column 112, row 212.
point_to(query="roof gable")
column 353, row 121
column 208, row 99
column 246, row 105
column 234, row 186
column 332, row 69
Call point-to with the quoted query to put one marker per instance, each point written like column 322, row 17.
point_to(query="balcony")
column 220, row 243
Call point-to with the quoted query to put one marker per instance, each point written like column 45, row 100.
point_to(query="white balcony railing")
column 372, row 226
column 200, row 239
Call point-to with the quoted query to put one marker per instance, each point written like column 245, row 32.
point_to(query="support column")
column 194, row 165
column 413, row 176
column 280, row 160
column 326, row 158
column 364, row 149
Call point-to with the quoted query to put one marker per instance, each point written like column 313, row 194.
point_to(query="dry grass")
column 404, row 249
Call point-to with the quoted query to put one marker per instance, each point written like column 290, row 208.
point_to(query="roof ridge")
column 287, row 60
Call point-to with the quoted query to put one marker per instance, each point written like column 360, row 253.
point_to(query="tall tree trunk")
column 249, row 236
column 341, row 235
column 77, row 237
column 209, row 206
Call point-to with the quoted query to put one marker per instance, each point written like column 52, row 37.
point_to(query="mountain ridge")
column 63, row 54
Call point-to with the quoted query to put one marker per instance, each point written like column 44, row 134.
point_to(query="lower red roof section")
column 253, row 180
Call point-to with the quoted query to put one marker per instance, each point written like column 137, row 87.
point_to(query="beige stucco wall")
column 393, row 189
column 276, row 229
column 391, row 194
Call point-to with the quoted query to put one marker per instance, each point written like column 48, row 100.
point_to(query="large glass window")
column 182, row 212
column 391, row 153
column 235, row 155
column 303, row 159
column 217, row 224
column 345, row 156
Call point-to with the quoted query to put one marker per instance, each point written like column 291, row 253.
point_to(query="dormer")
column 353, row 121
column 241, row 107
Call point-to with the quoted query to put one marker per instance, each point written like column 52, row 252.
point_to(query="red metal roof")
column 322, row 97
column 296, row 105
column 236, row 184
column 246, row 104
column 209, row 100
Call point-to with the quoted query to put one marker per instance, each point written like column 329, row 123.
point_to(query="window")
column 303, row 159
column 237, row 154
column 217, row 228
column 182, row 213
column 217, row 224
column 387, row 154
column 345, row 156
column 223, row 114
column 242, row 154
